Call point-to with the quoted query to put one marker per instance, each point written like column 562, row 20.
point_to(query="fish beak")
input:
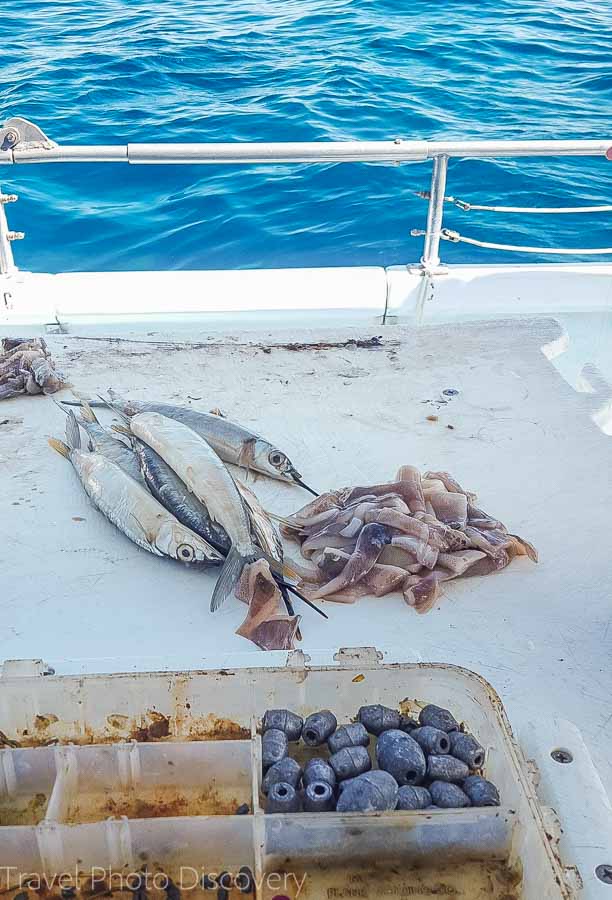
column 308, row 602
column 304, row 485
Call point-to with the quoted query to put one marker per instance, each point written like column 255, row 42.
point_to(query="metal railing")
column 22, row 142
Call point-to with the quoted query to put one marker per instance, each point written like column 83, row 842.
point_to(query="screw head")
column 11, row 137
column 562, row 756
column 604, row 873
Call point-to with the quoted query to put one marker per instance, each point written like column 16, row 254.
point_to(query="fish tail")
column 87, row 413
column 60, row 446
column 73, row 433
column 230, row 573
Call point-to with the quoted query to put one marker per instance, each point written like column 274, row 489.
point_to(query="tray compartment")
column 165, row 780
column 26, row 782
column 410, row 836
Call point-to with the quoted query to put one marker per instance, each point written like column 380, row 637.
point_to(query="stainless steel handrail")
column 22, row 142
column 304, row 152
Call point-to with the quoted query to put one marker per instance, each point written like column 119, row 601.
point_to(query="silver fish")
column 199, row 467
column 102, row 441
column 129, row 505
column 232, row 442
column 173, row 493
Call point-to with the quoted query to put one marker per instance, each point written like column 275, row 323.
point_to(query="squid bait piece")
column 369, row 546
column 424, row 592
column 396, row 519
column 410, row 492
column 423, row 553
column 460, row 561
column 450, row 484
column 451, row 509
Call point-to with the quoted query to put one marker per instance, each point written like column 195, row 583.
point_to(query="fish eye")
column 185, row 553
column 277, row 458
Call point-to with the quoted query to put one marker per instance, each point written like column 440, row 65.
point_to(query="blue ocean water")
column 112, row 71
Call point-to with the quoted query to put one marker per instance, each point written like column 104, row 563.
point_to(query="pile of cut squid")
column 410, row 535
column 26, row 367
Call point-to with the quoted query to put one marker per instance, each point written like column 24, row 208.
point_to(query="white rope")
column 549, row 210
column 456, row 238
column 462, row 204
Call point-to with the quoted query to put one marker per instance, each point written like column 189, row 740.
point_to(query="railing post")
column 7, row 263
column 431, row 245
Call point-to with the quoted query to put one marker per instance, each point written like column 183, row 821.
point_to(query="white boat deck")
column 78, row 594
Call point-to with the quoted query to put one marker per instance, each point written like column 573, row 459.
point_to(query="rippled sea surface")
column 112, row 71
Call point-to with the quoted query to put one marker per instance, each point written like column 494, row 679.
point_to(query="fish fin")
column 286, row 570
column 276, row 565
column 246, row 455
column 121, row 429
column 80, row 398
column 228, row 579
column 88, row 414
column 113, row 405
column 284, row 521
column 73, row 432
column 60, row 446
column 60, row 405
column 231, row 572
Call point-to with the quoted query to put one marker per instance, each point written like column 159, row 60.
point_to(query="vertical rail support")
column 7, row 263
column 430, row 261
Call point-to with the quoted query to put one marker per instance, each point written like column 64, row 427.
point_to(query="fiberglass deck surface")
column 78, row 594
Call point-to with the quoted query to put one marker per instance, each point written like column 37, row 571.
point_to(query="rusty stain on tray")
column 27, row 813
column 159, row 727
column 41, row 723
column 469, row 880
column 157, row 803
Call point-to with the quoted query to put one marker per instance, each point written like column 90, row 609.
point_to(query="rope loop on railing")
column 449, row 235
